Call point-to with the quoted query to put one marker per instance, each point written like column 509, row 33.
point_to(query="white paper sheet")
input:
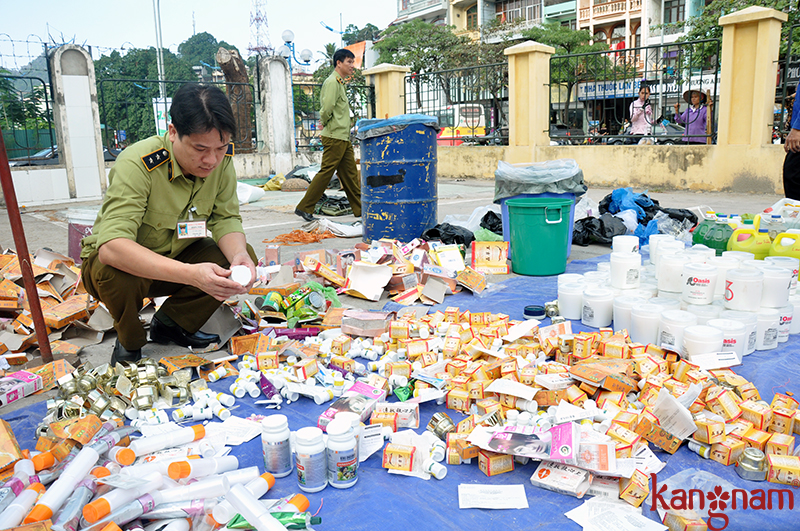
column 622, row 520
column 478, row 496
column 672, row 416
column 509, row 387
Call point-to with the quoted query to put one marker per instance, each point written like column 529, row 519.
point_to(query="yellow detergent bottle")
column 750, row 240
column 786, row 244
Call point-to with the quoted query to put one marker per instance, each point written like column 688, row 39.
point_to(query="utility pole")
column 159, row 52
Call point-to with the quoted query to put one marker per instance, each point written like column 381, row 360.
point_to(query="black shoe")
column 305, row 215
column 161, row 333
column 121, row 354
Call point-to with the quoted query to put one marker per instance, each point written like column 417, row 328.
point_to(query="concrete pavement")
column 46, row 227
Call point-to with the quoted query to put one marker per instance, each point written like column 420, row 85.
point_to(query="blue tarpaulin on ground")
column 391, row 502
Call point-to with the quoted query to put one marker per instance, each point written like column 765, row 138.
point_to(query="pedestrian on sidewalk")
column 641, row 117
column 337, row 151
column 149, row 239
column 791, row 164
column 694, row 118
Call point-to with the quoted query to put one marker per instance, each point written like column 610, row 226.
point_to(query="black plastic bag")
column 491, row 221
column 680, row 214
column 597, row 230
column 447, row 233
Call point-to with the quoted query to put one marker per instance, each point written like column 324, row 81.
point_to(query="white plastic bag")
column 629, row 218
column 586, row 208
column 473, row 221
column 248, row 193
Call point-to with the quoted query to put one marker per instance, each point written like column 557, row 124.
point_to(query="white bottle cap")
column 437, row 470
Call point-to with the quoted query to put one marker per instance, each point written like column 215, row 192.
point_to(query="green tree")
column 352, row 34
column 569, row 71
column 327, row 53
column 422, row 46
column 706, row 25
column 127, row 105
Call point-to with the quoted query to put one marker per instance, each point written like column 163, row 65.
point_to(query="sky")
column 114, row 24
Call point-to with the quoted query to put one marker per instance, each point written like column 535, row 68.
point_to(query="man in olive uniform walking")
column 337, row 153
column 149, row 239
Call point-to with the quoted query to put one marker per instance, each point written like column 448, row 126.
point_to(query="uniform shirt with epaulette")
column 334, row 110
column 148, row 194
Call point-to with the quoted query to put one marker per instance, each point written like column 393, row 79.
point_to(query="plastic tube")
column 224, row 511
column 119, row 497
column 179, row 524
column 104, row 430
column 12, row 516
column 125, row 514
column 197, row 468
column 242, row 475
column 254, row 512
column 59, row 491
column 145, row 468
column 107, row 442
column 182, row 509
column 154, row 443
column 205, row 488
column 70, row 515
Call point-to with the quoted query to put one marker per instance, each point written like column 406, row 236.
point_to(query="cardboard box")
column 759, row 414
column 360, row 398
column 652, row 432
column 71, row 310
column 10, row 452
column 709, row 431
column 687, row 520
column 490, row 257
column 756, row 438
column 386, row 418
column 728, row 451
column 780, row 444
column 635, row 489
column 492, row 463
column 18, row 385
column 272, row 255
column 399, row 457
column 784, row 469
column 782, row 421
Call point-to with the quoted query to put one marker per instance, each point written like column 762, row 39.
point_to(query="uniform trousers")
column 124, row 294
column 337, row 156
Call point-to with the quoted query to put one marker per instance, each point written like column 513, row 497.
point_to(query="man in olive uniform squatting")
column 183, row 179
column 337, row 151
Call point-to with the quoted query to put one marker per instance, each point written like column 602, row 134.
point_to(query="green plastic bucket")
column 539, row 235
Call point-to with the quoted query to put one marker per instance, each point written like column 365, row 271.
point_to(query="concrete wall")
column 702, row 168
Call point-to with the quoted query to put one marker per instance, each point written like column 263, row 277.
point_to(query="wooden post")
column 15, row 220
column 240, row 96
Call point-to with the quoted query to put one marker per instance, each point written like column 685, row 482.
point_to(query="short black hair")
column 340, row 55
column 200, row 108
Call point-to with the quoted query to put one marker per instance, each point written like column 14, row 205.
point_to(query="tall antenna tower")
column 259, row 29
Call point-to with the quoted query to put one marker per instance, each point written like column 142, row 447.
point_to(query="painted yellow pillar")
column 390, row 93
column 750, row 47
column 528, row 94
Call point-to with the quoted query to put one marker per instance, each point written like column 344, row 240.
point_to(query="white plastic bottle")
column 311, row 460
column 342, row 455
column 275, row 445
column 223, row 512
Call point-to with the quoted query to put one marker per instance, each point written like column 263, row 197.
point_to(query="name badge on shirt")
column 194, row 228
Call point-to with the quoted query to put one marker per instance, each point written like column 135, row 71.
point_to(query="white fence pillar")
column 276, row 118
column 77, row 121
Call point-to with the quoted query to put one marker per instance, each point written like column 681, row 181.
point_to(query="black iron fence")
column 471, row 103
column 134, row 109
column 26, row 117
column 788, row 77
column 306, row 97
column 636, row 95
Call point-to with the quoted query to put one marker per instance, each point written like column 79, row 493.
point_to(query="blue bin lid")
column 373, row 127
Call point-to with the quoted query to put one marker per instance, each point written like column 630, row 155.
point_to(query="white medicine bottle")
column 311, row 459
column 342, row 455
column 275, row 445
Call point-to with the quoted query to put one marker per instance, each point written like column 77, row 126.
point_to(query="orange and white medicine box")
column 635, row 489
column 386, row 418
column 687, row 520
column 782, row 421
column 759, row 414
column 780, row 444
column 306, row 368
column 709, row 431
column 268, row 360
column 728, row 451
column 399, row 457
column 492, row 463
column 784, row 469
column 340, row 345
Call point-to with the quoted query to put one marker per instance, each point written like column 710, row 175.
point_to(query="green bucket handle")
column 560, row 215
